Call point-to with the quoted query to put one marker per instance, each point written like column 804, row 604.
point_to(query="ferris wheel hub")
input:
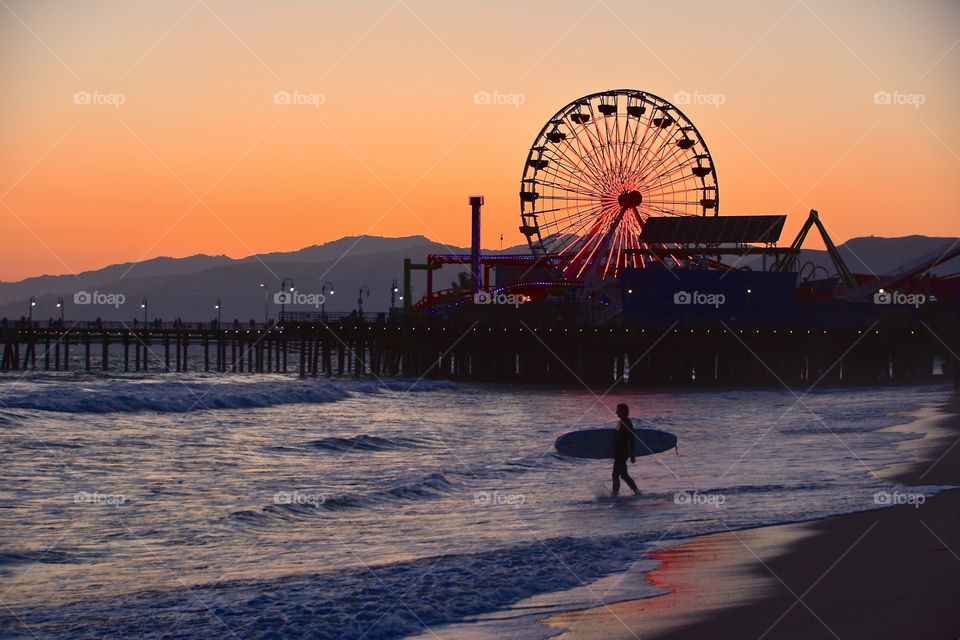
column 630, row 199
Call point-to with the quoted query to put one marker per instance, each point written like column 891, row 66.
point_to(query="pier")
column 476, row 350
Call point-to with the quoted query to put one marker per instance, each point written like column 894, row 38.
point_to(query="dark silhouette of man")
column 624, row 444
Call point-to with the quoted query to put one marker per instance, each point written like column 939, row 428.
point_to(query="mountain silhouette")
column 189, row 287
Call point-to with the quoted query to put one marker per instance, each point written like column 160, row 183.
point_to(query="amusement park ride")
column 619, row 183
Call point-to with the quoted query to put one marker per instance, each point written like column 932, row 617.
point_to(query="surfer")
column 623, row 448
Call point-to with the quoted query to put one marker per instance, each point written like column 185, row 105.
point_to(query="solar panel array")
column 713, row 229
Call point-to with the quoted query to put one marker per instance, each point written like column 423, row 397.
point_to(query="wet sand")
column 887, row 573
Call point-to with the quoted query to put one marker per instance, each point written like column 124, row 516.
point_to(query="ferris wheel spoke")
column 601, row 238
column 610, row 141
column 570, row 181
column 647, row 141
column 663, row 135
column 651, row 156
column 620, row 145
column 577, row 261
column 578, row 155
column 555, row 209
column 579, row 175
column 595, row 224
column 595, row 143
column 670, row 186
column 666, row 160
column 557, row 158
column 603, row 147
column 565, row 187
column 634, row 147
column 639, row 123
column 662, row 177
column 584, row 162
column 584, row 219
column 582, row 151
column 603, row 142
column 577, row 217
column 627, row 139
column 679, row 184
column 666, row 153
column 662, row 211
column 659, row 197
column 616, row 246
column 571, row 233
column 594, row 159
column 675, row 203
column 618, row 151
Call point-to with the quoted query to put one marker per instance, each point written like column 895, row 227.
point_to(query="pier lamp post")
column 364, row 290
column 393, row 294
column 283, row 291
column 60, row 306
column 143, row 305
column 266, row 312
column 323, row 293
column 33, row 303
column 217, row 307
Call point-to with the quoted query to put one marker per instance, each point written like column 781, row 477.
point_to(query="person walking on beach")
column 623, row 448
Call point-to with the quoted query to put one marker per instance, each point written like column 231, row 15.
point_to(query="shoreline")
column 891, row 572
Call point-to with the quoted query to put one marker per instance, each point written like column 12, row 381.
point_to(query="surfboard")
column 598, row 443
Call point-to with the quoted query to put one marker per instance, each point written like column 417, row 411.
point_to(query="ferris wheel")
column 600, row 168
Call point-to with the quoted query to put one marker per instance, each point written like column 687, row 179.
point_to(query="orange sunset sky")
column 199, row 157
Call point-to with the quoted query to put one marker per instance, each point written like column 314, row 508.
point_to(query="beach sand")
column 887, row 573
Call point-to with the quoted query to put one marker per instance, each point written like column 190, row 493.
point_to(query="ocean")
column 263, row 506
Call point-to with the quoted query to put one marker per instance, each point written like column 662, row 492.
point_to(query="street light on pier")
column 33, row 303
column 393, row 294
column 143, row 305
column 217, row 307
column 60, row 306
column 364, row 290
column 283, row 294
column 266, row 311
column 323, row 294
